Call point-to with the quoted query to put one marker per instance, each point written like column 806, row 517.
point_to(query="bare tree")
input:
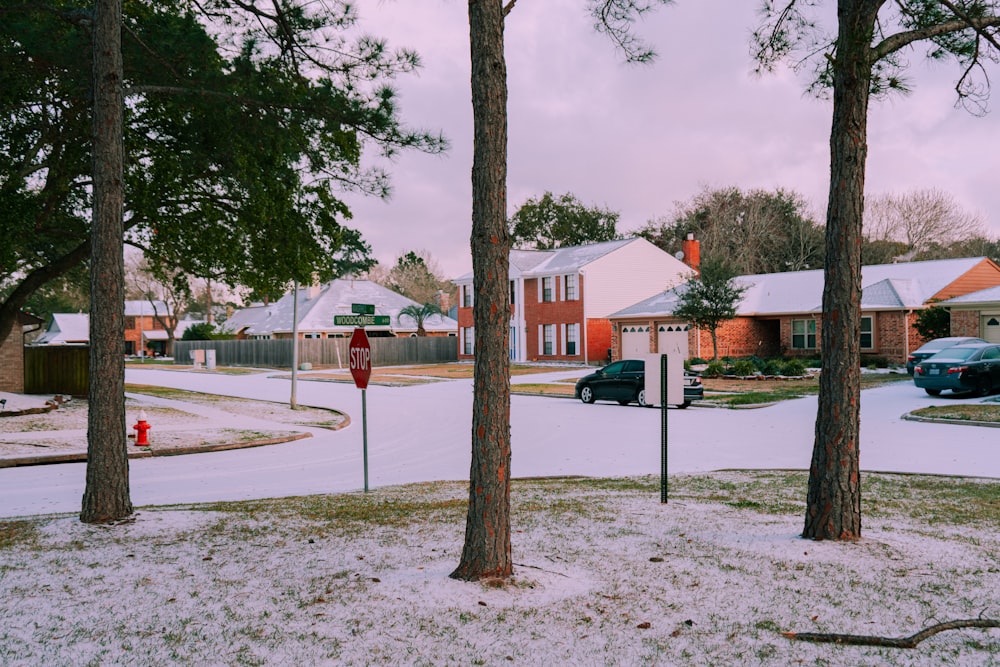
column 165, row 289
column 865, row 58
column 920, row 220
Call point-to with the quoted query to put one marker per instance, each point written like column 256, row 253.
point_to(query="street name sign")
column 361, row 320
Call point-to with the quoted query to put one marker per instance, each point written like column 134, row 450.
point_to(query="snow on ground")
column 604, row 575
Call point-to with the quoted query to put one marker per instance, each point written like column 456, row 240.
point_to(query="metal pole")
column 663, row 428
column 293, row 402
column 364, row 433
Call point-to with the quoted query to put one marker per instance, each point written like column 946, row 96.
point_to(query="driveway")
column 422, row 433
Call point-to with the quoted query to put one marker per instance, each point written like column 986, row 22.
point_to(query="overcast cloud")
column 638, row 139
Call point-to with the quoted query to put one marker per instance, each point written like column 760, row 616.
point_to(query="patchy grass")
column 554, row 389
column 980, row 412
column 602, row 568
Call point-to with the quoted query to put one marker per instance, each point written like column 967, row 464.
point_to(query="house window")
column 570, row 287
column 130, row 323
column 803, row 334
column 547, row 289
column 548, row 339
column 312, row 334
column 467, row 296
column 572, row 334
column 468, row 340
column 867, row 335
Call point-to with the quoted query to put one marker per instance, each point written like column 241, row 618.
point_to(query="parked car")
column 967, row 368
column 625, row 381
column 932, row 347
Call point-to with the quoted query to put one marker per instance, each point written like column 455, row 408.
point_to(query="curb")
column 136, row 453
column 909, row 416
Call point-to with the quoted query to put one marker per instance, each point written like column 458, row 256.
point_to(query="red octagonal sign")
column 360, row 353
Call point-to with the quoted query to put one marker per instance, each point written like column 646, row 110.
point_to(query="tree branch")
column 892, row 642
column 896, row 42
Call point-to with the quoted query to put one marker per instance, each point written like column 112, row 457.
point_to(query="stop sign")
column 360, row 354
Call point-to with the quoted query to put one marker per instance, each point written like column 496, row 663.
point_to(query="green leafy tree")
column 759, row 231
column 237, row 142
column 416, row 276
column 710, row 299
column 200, row 331
column 486, row 550
column 553, row 222
column 419, row 315
column 933, row 322
column 865, row 58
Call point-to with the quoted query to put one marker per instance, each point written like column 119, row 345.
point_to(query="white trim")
column 562, row 339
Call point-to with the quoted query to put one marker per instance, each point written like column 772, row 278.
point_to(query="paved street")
column 421, row 433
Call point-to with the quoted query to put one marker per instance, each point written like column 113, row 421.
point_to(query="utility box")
column 210, row 359
column 675, row 379
column 198, row 358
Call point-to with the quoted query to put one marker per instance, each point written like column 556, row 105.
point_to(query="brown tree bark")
column 833, row 503
column 106, row 495
column 486, row 553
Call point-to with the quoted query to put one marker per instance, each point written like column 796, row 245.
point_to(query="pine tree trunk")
column 486, row 553
column 106, row 495
column 833, row 503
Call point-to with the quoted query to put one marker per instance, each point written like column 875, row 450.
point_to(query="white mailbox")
column 675, row 379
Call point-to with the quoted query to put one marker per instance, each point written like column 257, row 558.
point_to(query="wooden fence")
column 320, row 351
column 57, row 370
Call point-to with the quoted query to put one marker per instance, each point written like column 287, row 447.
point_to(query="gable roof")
column 143, row 307
column 66, row 329
column 317, row 306
column 884, row 287
column 570, row 259
column 990, row 295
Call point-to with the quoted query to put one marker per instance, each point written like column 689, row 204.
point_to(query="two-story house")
column 560, row 299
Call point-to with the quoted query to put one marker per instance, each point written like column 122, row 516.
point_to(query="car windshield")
column 955, row 354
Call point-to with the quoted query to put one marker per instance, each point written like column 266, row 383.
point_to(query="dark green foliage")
column 552, row 222
column 793, row 368
column 202, row 331
column 933, row 322
column 238, row 142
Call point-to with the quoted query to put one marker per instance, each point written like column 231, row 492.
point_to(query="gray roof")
column 137, row 307
column 884, row 287
column 66, row 329
column 318, row 306
column 528, row 263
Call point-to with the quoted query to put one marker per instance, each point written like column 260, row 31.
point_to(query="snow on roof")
column 66, row 329
column 884, row 286
column 317, row 307
column 532, row 263
column 988, row 295
column 143, row 307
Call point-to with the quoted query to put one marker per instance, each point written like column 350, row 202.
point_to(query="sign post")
column 360, row 355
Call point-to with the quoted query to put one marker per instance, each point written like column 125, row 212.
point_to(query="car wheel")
column 984, row 386
column 620, row 402
column 587, row 395
column 640, row 398
column 933, row 392
column 684, row 404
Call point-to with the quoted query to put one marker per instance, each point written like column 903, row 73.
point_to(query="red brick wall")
column 12, row 361
column 557, row 313
column 965, row 323
column 739, row 337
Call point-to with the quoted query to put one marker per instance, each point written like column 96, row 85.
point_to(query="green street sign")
column 361, row 320
column 363, row 309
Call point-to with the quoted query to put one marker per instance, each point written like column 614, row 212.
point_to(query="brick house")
column 318, row 305
column 560, row 299
column 780, row 313
column 12, row 352
column 976, row 314
column 144, row 328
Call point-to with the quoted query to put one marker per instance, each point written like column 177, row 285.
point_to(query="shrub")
column 714, row 370
column 771, row 367
column 744, row 367
column 698, row 361
column 793, row 368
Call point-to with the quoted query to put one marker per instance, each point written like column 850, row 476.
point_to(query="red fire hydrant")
column 142, row 440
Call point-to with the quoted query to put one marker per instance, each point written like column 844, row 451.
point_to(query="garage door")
column 635, row 342
column 991, row 328
column 673, row 340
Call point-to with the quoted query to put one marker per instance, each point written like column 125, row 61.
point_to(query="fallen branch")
column 892, row 642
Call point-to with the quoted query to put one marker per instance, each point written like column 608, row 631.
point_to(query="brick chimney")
column 443, row 302
column 691, row 248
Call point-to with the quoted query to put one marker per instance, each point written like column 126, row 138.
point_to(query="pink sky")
column 637, row 139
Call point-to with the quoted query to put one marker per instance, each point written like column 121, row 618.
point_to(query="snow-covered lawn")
column 604, row 574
